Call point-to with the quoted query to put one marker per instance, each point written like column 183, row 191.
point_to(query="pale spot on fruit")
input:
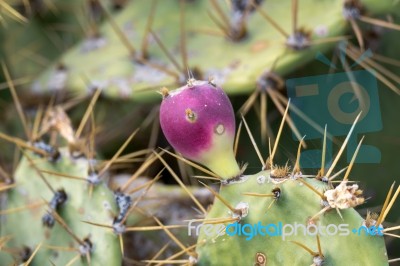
column 219, row 129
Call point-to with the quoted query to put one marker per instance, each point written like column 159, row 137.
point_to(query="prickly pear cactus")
column 130, row 57
column 54, row 219
column 281, row 202
column 133, row 48
column 278, row 216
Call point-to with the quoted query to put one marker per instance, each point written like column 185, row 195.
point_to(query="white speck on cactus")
column 244, row 210
column 261, row 179
column 107, row 205
column 192, row 260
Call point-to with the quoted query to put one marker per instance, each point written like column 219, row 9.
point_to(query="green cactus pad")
column 234, row 65
column 78, row 207
column 297, row 204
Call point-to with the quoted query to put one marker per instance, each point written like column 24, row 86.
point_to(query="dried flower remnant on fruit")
column 190, row 115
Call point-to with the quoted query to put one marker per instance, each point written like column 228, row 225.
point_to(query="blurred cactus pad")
column 128, row 52
column 72, row 202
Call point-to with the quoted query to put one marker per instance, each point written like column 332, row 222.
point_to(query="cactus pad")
column 71, row 202
column 295, row 204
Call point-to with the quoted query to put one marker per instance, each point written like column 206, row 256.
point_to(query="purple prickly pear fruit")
column 198, row 121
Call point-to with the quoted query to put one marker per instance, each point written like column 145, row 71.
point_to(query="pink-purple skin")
column 211, row 107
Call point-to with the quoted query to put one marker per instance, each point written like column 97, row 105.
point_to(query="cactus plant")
column 58, row 203
column 126, row 69
column 130, row 50
column 256, row 210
